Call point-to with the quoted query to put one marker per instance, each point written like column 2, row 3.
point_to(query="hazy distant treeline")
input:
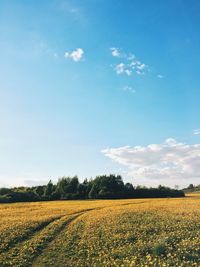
column 102, row 187
column 192, row 188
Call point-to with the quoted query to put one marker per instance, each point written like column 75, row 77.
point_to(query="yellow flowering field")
column 133, row 232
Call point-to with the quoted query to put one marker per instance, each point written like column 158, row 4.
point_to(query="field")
column 136, row 232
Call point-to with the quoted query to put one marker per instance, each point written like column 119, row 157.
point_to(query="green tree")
column 67, row 185
column 191, row 186
column 93, row 194
column 39, row 191
column 48, row 190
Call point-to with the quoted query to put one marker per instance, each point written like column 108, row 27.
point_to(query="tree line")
column 69, row 188
column 192, row 188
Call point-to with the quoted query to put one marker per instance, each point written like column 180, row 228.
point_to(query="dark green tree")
column 93, row 194
column 39, row 191
column 48, row 190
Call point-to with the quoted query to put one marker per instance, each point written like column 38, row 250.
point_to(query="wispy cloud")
column 128, row 72
column 196, row 132
column 139, row 72
column 75, row 55
column 35, row 182
column 129, row 89
column 130, row 63
column 170, row 160
column 115, row 52
column 160, row 76
column 120, row 68
column 76, row 12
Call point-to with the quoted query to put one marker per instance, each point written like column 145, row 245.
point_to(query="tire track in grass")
column 30, row 232
column 47, row 258
column 40, row 260
column 126, row 204
column 26, row 235
column 24, row 254
column 31, row 246
column 27, row 249
column 49, row 254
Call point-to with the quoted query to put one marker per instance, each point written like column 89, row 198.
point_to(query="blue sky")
column 88, row 86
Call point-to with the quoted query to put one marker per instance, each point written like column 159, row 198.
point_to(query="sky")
column 94, row 87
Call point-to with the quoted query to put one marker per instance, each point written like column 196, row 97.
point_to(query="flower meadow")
column 133, row 232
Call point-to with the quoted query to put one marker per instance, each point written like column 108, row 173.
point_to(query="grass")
column 147, row 232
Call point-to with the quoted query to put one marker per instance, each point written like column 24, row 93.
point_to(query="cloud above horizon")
column 170, row 160
column 115, row 52
column 196, row 132
column 128, row 63
column 129, row 89
column 75, row 55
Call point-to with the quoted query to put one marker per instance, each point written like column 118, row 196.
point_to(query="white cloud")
column 196, row 132
column 120, row 68
column 128, row 72
column 130, row 63
column 141, row 66
column 66, row 54
column 139, row 72
column 169, row 163
column 115, row 52
column 75, row 55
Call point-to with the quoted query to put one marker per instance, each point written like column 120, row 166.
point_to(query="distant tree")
column 67, row 186
column 107, row 186
column 129, row 189
column 39, row 191
column 93, row 192
column 81, row 190
column 85, row 181
column 4, row 191
column 88, row 185
column 191, row 186
column 102, row 187
column 104, row 194
column 48, row 190
column 74, row 184
column 63, row 186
